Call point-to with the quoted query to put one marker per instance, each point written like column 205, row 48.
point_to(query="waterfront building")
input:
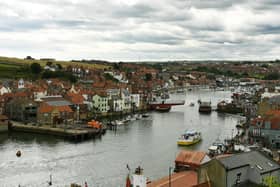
column 245, row 169
column 116, row 103
column 100, row 103
column 55, row 114
column 266, row 129
column 135, row 100
column 125, row 95
column 55, row 110
column 22, row 109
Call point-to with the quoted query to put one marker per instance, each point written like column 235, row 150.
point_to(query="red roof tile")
column 45, row 108
column 181, row 179
column 190, row 157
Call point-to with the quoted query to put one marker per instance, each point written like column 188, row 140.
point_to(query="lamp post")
column 170, row 168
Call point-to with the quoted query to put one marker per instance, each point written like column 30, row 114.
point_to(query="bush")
column 35, row 68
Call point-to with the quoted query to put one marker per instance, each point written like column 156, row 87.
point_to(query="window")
column 238, row 180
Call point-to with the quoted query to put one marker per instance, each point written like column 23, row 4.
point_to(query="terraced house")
column 100, row 103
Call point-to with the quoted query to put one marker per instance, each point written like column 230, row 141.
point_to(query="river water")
column 150, row 143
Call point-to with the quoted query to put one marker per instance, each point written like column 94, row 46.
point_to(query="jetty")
column 70, row 133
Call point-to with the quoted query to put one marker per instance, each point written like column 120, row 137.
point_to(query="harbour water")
column 150, row 143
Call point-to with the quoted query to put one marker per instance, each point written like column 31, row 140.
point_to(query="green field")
column 15, row 68
column 13, row 71
column 8, row 60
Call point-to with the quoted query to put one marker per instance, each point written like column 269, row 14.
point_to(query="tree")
column 272, row 76
column 59, row 66
column 49, row 63
column 35, row 68
column 271, row 181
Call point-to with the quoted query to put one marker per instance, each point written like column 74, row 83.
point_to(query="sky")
column 141, row 30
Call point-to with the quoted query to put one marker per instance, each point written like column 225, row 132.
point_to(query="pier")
column 71, row 133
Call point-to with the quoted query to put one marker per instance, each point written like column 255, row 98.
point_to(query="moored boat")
column 190, row 137
column 205, row 107
column 163, row 108
column 217, row 148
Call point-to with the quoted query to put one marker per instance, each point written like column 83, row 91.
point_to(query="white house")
column 117, row 103
column 125, row 95
column 135, row 100
column 39, row 94
column 4, row 90
column 21, row 84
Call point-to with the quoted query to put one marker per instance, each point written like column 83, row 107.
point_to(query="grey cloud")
column 144, row 37
column 157, row 29
column 138, row 10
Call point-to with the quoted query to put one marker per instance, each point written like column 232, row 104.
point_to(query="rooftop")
column 181, row 179
column 261, row 162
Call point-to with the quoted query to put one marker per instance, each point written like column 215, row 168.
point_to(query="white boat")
column 138, row 117
column 217, row 148
column 119, row 122
column 189, row 137
column 133, row 118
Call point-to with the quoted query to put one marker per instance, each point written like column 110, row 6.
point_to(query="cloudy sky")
column 140, row 29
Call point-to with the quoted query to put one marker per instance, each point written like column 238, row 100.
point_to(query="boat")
column 205, row 107
column 216, row 148
column 132, row 117
column 94, row 124
column 145, row 115
column 138, row 117
column 190, row 137
column 165, row 95
column 228, row 107
column 163, row 108
column 137, row 178
column 118, row 122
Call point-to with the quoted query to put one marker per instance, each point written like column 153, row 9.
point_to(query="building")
column 125, row 95
column 135, row 100
column 181, row 179
column 55, row 110
column 79, row 106
column 100, row 103
column 266, row 129
column 55, row 114
column 239, row 169
column 4, row 90
column 269, row 101
column 116, row 104
column 22, row 109
column 190, row 160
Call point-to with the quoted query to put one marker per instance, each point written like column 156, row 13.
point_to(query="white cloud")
column 140, row 29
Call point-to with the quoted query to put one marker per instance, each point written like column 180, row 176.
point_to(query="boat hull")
column 163, row 109
column 187, row 143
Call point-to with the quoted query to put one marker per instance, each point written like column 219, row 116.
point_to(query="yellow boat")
column 189, row 138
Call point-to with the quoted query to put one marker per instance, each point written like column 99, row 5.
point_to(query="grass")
column 13, row 71
column 18, row 61
column 15, row 68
